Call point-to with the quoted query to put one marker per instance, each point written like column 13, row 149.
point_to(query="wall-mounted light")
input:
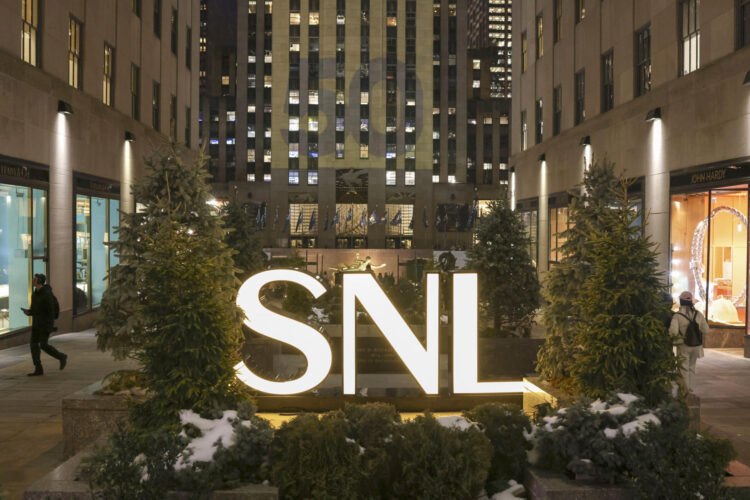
column 585, row 141
column 747, row 79
column 129, row 136
column 64, row 108
column 542, row 157
column 654, row 114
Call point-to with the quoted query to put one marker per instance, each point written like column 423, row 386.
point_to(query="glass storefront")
column 23, row 250
column 708, row 251
column 96, row 220
column 558, row 224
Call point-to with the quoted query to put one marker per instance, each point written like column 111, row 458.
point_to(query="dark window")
column 690, row 36
column 539, row 122
column 580, row 97
column 524, row 131
column 188, row 47
column 187, row 126
column 557, row 111
column 524, row 52
column 173, row 117
column 173, row 32
column 135, row 92
column 558, row 20
column 157, row 18
column 643, row 61
column 580, row 10
column 743, row 21
column 156, row 107
column 137, row 7
column 608, row 81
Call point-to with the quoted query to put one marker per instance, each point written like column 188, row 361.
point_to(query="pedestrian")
column 688, row 327
column 43, row 311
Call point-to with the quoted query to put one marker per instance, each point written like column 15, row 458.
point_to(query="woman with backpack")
column 688, row 326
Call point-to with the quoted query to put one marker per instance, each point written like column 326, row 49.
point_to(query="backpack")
column 693, row 336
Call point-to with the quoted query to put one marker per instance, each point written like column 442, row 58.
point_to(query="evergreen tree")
column 248, row 257
column 508, row 282
column 624, row 344
column 170, row 303
column 564, row 282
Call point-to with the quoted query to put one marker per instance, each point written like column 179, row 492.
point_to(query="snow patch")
column 598, row 405
column 626, row 398
column 456, row 422
column 213, row 433
column 549, row 422
column 513, row 492
column 616, row 410
column 629, row 428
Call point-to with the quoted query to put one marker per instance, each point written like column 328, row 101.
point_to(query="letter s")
column 305, row 338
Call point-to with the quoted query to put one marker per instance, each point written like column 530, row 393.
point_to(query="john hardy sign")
column 421, row 361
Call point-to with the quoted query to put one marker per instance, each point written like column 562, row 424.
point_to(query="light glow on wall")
column 422, row 363
column 466, row 344
column 309, row 341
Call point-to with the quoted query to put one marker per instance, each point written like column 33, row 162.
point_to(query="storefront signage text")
column 718, row 174
column 422, row 362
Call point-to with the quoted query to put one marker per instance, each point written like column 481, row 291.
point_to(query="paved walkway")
column 30, row 407
column 31, row 420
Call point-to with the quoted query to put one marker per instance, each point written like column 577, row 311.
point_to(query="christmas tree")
column 242, row 238
column 624, row 344
column 170, row 304
column 508, row 282
column 564, row 282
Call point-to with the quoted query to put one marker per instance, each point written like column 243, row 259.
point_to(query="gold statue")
column 359, row 265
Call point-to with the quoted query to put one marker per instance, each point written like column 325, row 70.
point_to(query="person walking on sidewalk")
column 43, row 311
column 688, row 326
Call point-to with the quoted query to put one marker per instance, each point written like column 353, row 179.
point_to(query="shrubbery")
column 621, row 440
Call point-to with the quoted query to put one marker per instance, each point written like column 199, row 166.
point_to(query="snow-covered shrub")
column 203, row 453
column 445, row 458
column 504, row 426
column 222, row 452
column 132, row 466
column 313, row 457
column 372, row 426
column 621, row 440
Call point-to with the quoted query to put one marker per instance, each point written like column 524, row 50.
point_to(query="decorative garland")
column 696, row 250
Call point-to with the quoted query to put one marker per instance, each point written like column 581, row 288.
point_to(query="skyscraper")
column 350, row 120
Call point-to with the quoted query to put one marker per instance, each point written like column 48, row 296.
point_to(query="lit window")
column 312, row 177
column 29, row 27
column 390, row 178
column 435, row 179
column 266, row 177
column 293, row 177
column 451, row 179
column 410, row 177
column 250, row 177
column 231, row 116
column 74, row 54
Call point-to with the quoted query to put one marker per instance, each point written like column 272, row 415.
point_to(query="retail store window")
column 96, row 221
column 708, row 251
column 558, row 224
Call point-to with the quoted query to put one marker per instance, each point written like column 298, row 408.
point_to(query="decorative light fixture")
column 747, row 79
column 654, row 114
column 64, row 108
column 585, row 141
column 542, row 157
column 129, row 136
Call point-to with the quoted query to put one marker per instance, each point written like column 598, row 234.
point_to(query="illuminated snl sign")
column 422, row 362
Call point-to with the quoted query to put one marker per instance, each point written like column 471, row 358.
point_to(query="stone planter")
column 724, row 336
column 64, row 483
column 86, row 416
column 545, row 485
column 747, row 346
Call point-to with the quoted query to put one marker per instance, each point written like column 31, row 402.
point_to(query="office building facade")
column 87, row 89
column 657, row 88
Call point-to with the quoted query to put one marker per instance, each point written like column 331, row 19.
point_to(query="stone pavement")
column 30, row 407
column 31, row 419
column 723, row 386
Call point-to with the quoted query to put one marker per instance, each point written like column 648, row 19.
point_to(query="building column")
column 657, row 197
column 543, row 220
column 60, row 220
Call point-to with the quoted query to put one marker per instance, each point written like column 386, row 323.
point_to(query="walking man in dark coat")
column 42, row 312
